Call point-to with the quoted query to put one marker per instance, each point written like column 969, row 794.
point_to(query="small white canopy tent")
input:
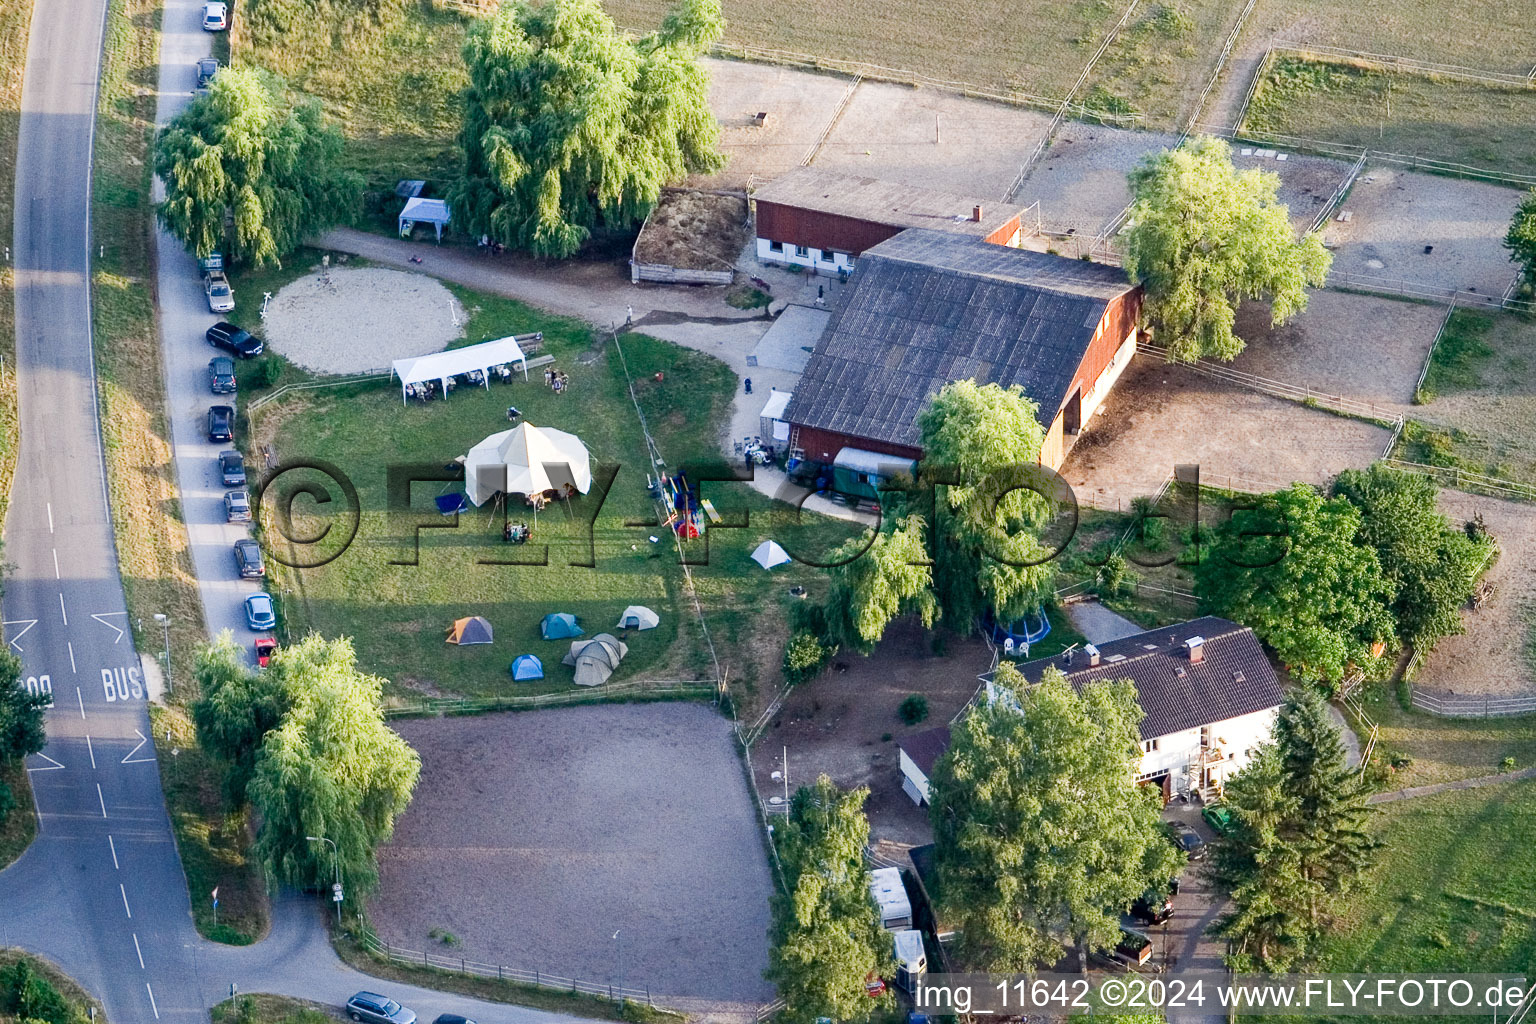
column 769, row 554
column 526, row 460
column 424, row 211
column 439, row 366
column 773, row 411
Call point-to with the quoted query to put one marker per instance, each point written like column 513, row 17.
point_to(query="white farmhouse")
column 1209, row 693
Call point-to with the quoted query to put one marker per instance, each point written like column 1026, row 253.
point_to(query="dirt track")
column 534, row 836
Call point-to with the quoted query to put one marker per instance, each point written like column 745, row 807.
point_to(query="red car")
column 265, row 647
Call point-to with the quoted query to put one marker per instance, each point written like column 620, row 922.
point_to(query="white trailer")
column 911, row 958
column 891, row 897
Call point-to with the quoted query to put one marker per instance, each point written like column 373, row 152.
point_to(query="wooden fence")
column 1462, row 480
column 1470, row 707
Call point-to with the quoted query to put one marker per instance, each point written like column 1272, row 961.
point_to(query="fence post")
column 498, row 973
column 462, row 968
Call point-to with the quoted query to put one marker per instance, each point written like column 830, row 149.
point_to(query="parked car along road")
column 221, row 298
column 221, row 375
column 206, row 69
column 1186, row 838
column 377, row 1009
column 1220, row 819
column 232, row 466
column 237, row 507
column 221, row 423
column 260, row 617
column 248, row 559
column 233, row 339
column 215, row 17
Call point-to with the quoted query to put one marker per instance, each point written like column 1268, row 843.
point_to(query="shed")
column 472, row 629
column 424, row 211
column 559, row 626
column 526, row 667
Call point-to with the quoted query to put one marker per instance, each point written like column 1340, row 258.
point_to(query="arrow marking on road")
column 102, row 619
column 51, row 766
column 130, row 759
column 17, row 622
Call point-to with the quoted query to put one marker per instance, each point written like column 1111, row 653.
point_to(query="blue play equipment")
column 525, row 667
column 1031, row 629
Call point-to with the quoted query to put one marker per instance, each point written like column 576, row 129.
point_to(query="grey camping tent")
column 638, row 616
column 595, row 659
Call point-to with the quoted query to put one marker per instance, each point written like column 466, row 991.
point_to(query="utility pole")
column 165, row 630
column 336, row 860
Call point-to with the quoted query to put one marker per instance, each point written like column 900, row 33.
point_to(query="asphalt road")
column 101, row 890
column 184, row 318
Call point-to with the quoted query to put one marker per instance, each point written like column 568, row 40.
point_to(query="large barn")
column 823, row 221
column 925, row 308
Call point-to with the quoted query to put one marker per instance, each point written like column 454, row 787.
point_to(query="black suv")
column 232, row 466
column 248, row 559
column 221, row 423
column 207, row 68
column 377, row 1009
column 230, row 338
column 221, row 375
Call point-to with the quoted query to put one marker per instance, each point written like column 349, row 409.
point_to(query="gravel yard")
column 799, row 106
column 1160, row 415
column 351, row 320
column 1359, row 346
column 1306, row 182
column 1394, row 214
column 1080, row 179
column 1493, row 658
column 534, row 836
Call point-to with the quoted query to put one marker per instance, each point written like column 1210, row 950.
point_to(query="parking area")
column 845, row 724
column 932, row 139
column 534, row 837
column 1362, row 347
column 1160, row 415
column 1425, row 230
column 1080, row 179
column 1493, row 658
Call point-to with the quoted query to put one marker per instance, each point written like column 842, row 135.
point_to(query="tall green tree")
column 987, row 523
column 1043, row 838
column 1300, row 838
column 245, row 152
column 826, row 932
column 1430, row 567
column 1520, row 240
column 236, row 708
column 333, row 768
column 1204, row 237
column 569, row 123
column 1290, row 568
column 878, row 579
column 21, row 712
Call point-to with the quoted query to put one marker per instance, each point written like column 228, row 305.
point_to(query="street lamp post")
column 619, row 947
column 336, row 860
column 165, row 629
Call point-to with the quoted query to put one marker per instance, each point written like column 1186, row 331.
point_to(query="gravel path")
column 1446, row 787
column 351, row 320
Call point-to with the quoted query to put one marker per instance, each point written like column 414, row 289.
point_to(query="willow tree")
column 570, row 124
column 245, row 152
column 1205, row 236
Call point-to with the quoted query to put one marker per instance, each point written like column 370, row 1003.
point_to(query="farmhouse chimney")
column 1195, row 645
column 1093, row 654
column 976, row 213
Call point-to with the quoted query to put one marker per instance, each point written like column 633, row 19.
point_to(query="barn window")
column 802, row 251
column 775, row 246
column 1149, row 746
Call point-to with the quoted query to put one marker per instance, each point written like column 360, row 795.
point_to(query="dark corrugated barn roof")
column 928, row 307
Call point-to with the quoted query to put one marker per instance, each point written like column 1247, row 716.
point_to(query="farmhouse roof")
column 925, row 308
column 924, row 748
column 884, row 202
column 1232, row 677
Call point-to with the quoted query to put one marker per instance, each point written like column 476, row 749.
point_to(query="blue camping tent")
column 525, row 667
column 448, row 504
column 559, row 626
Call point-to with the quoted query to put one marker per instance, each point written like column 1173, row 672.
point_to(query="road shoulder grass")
column 151, row 538
column 73, row 992
column 265, row 1008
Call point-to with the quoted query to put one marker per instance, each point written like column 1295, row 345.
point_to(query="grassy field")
column 68, row 987
column 264, row 1008
column 1452, row 890
column 1157, row 66
column 1363, row 106
column 1447, row 749
column 397, row 613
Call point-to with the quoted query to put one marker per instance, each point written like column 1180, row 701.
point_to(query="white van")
column 891, row 897
column 911, row 958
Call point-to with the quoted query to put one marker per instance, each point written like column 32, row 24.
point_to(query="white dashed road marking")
column 90, row 750
column 137, row 950
column 126, row 908
column 61, row 609
column 78, row 695
column 101, row 798
column 56, row 564
column 152, row 1005
column 71, row 657
column 50, row 516
column 113, row 846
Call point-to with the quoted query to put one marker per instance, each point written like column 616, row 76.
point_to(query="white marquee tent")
column 526, row 460
column 439, row 366
column 770, row 554
column 424, row 211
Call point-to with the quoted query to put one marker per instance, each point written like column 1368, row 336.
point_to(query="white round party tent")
column 526, row 460
column 439, row 366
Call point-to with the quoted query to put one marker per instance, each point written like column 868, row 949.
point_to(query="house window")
column 1149, row 746
column 775, row 246
column 1205, row 735
column 802, row 251
column 828, row 256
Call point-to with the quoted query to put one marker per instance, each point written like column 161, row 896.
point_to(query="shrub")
column 804, row 658
column 1116, row 577
column 26, row 994
column 1508, row 764
column 265, row 372
column 7, row 802
column 914, row 709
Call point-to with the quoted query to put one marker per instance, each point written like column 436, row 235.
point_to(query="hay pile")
column 694, row 231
